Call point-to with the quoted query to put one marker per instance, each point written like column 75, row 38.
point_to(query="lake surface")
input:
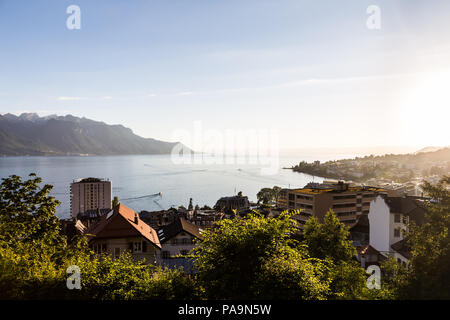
column 144, row 175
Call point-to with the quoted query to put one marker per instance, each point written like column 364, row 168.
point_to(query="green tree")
column 104, row 278
column 429, row 266
column 330, row 241
column 254, row 257
column 27, row 212
column 268, row 195
column 34, row 256
column 115, row 202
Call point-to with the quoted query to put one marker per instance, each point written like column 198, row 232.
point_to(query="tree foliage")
column 255, row 258
column 268, row 195
column 429, row 266
column 242, row 258
column 329, row 241
column 115, row 202
column 34, row 256
column 27, row 212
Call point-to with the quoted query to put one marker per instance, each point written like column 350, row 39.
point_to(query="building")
column 359, row 233
column 177, row 240
column 89, row 194
column 228, row 204
column 388, row 220
column 121, row 231
column 71, row 228
column 348, row 202
column 204, row 218
column 91, row 217
column 368, row 255
column 157, row 219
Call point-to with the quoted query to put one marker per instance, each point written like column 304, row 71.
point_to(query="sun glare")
column 423, row 113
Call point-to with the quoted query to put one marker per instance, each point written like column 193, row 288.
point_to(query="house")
column 228, row 204
column 368, row 255
column 204, row 218
column 71, row 228
column 121, row 230
column 157, row 219
column 177, row 239
column 388, row 220
column 91, row 217
column 359, row 233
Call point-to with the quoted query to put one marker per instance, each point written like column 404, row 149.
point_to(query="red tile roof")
column 120, row 223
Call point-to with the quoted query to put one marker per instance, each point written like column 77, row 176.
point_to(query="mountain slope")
column 29, row 134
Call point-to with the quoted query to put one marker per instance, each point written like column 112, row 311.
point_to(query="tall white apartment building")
column 89, row 194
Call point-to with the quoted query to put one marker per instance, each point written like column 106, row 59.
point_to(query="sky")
column 311, row 70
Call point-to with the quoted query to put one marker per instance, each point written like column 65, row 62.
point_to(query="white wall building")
column 388, row 219
column 89, row 194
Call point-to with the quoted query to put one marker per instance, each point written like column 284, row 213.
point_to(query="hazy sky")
column 311, row 69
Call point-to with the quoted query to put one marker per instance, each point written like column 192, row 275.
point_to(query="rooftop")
column 409, row 206
column 179, row 225
column 122, row 222
column 322, row 190
column 89, row 180
column 403, row 248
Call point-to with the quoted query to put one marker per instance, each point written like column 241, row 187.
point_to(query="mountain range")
column 29, row 134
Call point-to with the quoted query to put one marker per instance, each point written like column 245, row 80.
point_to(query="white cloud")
column 65, row 98
column 185, row 93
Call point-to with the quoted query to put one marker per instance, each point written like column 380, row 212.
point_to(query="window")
column 137, row 246
column 185, row 241
column 116, row 253
column 174, row 241
column 397, row 233
column 165, row 254
column 405, row 219
column 99, row 248
column 397, row 218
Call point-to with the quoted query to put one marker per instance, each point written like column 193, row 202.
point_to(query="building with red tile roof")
column 121, row 230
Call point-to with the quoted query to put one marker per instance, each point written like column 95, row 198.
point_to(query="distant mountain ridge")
column 430, row 149
column 29, row 134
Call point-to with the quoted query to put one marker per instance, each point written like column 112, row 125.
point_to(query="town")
column 376, row 217
column 403, row 173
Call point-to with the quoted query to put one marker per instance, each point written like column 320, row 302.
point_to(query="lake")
column 137, row 176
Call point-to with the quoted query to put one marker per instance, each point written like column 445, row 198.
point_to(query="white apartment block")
column 89, row 194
